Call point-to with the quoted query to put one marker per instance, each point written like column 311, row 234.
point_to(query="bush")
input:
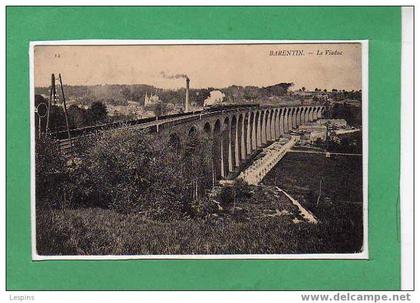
column 204, row 207
column 242, row 189
column 119, row 169
column 227, row 196
column 126, row 170
column 239, row 191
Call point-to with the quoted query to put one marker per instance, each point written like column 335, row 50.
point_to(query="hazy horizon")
column 212, row 65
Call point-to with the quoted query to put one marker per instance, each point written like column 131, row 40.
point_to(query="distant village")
column 155, row 102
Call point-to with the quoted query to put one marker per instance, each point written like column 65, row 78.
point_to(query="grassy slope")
column 258, row 225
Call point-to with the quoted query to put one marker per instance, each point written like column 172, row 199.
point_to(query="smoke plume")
column 176, row 76
column 216, row 97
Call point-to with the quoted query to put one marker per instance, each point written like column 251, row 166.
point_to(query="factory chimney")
column 187, row 93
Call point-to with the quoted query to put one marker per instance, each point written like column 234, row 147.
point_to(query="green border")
column 380, row 25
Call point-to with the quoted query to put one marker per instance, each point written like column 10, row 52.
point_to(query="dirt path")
column 306, row 214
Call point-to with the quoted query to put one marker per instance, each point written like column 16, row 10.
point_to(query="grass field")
column 342, row 178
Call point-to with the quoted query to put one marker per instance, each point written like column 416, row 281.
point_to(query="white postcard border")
column 364, row 255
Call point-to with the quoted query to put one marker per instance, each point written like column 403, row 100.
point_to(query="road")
column 272, row 154
column 346, row 131
column 320, row 152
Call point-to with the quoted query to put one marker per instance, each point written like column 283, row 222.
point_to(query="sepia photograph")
column 199, row 149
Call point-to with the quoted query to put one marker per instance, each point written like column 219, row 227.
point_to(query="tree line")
column 77, row 116
column 116, row 94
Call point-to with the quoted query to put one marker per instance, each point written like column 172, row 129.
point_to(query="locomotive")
column 227, row 106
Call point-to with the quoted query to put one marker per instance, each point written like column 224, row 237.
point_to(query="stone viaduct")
column 238, row 133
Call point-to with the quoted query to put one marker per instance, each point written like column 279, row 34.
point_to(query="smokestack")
column 187, row 93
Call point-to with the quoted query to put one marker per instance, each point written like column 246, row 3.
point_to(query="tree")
column 126, row 92
column 97, row 113
column 40, row 99
column 160, row 109
column 279, row 89
column 57, row 120
column 77, row 116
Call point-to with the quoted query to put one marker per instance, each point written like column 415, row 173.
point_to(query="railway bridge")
column 238, row 133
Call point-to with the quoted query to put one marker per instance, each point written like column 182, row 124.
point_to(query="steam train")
column 63, row 134
column 227, row 106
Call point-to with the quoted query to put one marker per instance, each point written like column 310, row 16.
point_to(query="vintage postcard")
column 199, row 149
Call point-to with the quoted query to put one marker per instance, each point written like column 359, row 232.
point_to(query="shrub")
column 239, row 191
column 128, row 170
column 227, row 196
column 52, row 185
column 116, row 170
column 242, row 189
column 204, row 207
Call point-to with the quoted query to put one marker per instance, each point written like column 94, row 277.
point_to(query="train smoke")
column 176, row 76
column 216, row 97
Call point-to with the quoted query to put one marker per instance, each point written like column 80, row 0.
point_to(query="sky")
column 217, row 66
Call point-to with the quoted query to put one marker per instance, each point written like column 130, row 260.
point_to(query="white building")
column 153, row 99
column 313, row 132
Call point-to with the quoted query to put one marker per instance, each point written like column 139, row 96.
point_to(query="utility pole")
column 234, row 199
column 196, row 188
column 52, row 97
column 319, row 194
column 65, row 107
column 213, row 175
